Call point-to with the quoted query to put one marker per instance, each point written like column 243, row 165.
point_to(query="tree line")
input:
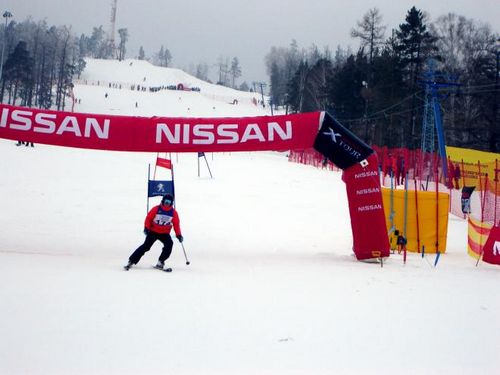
column 41, row 61
column 379, row 91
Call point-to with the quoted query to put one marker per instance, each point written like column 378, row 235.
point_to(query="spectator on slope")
column 400, row 170
column 456, row 176
column 388, row 165
column 451, row 174
column 157, row 226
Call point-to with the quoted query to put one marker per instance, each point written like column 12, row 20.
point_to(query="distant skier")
column 157, row 226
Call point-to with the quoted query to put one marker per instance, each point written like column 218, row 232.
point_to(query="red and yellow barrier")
column 431, row 229
column 477, row 236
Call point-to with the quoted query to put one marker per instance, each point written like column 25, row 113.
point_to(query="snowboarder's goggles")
column 167, row 202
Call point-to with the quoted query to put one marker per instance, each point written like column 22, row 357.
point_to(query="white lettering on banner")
column 3, row 120
column 496, row 248
column 367, row 191
column 69, row 124
column 47, row 123
column 370, row 207
column 366, row 174
column 44, row 123
column 224, row 130
column 207, row 137
column 25, row 121
column 274, row 127
column 257, row 134
column 207, row 134
column 349, row 149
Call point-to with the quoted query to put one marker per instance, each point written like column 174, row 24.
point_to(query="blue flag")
column 160, row 188
column 201, row 154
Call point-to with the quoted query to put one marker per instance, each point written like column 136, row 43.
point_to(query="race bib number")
column 162, row 219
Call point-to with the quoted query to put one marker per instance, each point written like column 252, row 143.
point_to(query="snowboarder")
column 157, row 226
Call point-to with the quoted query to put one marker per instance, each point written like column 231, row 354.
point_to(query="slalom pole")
column 147, row 193
column 496, row 192
column 392, row 213
column 438, row 254
column 483, row 191
column 406, row 215
column 416, row 210
column 206, row 161
column 156, row 163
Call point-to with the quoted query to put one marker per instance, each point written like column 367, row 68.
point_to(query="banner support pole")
column 147, row 193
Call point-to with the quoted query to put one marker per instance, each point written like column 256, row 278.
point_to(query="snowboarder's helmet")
column 167, row 199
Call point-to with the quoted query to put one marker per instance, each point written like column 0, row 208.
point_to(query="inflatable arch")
column 265, row 133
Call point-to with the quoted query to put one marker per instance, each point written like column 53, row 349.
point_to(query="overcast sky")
column 202, row 30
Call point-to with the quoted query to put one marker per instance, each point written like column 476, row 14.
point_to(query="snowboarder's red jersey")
column 161, row 218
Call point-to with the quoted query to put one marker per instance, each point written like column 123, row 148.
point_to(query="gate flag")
column 165, row 163
column 158, row 188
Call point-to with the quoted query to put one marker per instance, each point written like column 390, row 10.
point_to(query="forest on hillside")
column 385, row 92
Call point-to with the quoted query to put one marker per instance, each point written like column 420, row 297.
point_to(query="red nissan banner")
column 159, row 134
column 491, row 249
column 369, row 231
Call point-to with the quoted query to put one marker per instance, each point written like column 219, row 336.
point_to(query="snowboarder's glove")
column 180, row 238
column 146, row 231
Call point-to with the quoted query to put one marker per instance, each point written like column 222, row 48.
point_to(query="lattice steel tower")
column 113, row 26
column 429, row 121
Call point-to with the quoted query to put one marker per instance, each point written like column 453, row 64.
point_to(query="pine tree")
column 18, row 73
column 235, row 71
column 414, row 45
column 123, row 33
column 142, row 54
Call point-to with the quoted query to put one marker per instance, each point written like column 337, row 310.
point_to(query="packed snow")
column 272, row 286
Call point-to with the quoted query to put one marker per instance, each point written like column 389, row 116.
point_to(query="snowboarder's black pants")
column 151, row 238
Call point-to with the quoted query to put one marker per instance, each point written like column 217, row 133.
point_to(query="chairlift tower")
column 113, row 26
column 428, row 133
column 432, row 124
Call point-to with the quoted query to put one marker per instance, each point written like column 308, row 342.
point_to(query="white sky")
column 200, row 31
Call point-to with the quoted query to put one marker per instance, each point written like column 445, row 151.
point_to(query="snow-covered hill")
column 272, row 287
column 136, row 87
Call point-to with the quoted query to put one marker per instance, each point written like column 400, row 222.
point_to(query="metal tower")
column 113, row 25
column 432, row 125
column 428, row 124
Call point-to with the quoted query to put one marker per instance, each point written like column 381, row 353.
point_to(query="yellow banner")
column 471, row 161
column 430, row 229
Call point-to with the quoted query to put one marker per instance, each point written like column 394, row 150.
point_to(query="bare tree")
column 371, row 32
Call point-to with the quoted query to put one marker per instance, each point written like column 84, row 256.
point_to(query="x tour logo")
column 332, row 134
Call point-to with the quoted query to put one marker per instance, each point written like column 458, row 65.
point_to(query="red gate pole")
column 416, row 209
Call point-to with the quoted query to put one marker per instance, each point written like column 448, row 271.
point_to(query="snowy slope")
column 272, row 287
column 129, row 82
